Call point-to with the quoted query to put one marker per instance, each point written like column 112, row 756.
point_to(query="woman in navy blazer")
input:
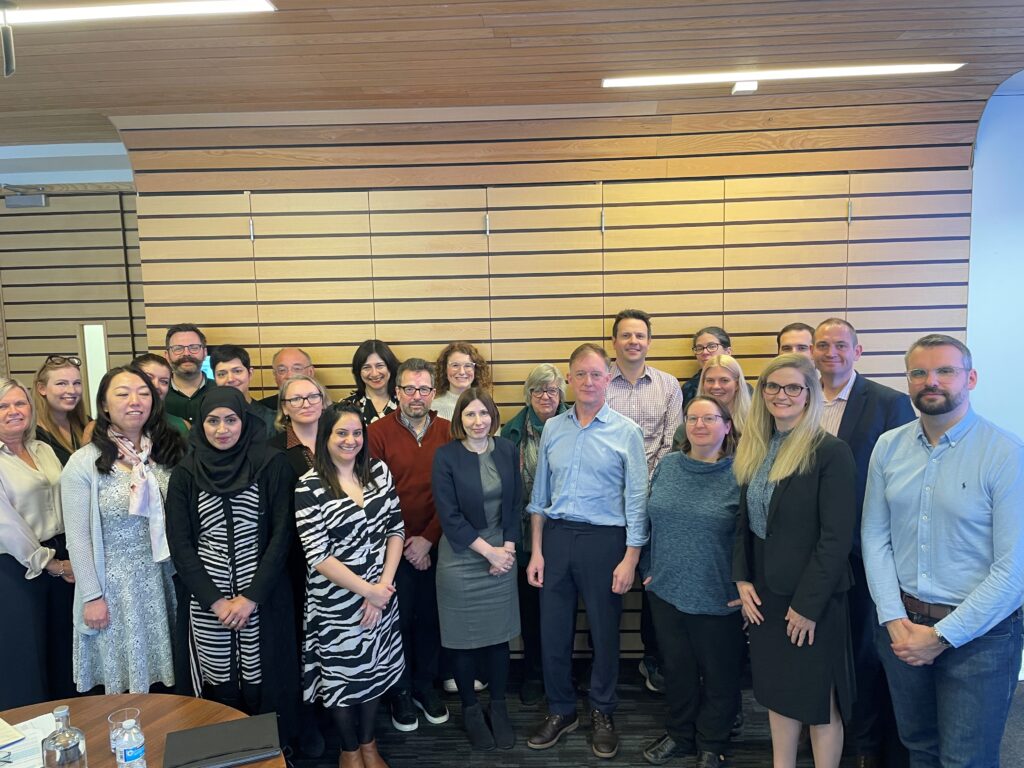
column 478, row 491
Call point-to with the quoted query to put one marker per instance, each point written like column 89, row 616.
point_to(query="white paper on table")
column 28, row 753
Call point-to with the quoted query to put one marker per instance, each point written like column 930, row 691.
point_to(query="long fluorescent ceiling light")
column 778, row 74
column 137, row 10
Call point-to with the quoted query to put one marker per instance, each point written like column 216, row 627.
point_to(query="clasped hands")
column 377, row 596
column 233, row 612
column 799, row 629
column 501, row 559
column 914, row 644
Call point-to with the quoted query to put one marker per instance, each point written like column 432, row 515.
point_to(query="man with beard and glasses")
column 186, row 351
column 943, row 544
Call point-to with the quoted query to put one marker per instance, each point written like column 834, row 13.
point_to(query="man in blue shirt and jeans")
column 589, row 508
column 943, row 543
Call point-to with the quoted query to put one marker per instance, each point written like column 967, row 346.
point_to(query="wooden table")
column 160, row 714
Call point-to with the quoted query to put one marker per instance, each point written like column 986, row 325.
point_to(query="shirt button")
column 924, row 546
column 924, row 517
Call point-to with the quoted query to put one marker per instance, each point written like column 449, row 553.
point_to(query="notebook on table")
column 222, row 745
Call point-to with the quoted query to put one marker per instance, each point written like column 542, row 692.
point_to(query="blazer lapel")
column 854, row 409
column 773, row 505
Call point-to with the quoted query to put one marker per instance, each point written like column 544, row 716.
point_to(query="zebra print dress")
column 229, row 549
column 344, row 663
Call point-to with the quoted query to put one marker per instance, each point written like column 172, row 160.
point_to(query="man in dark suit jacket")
column 858, row 411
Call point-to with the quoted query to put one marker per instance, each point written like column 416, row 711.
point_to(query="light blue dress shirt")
column 946, row 524
column 595, row 474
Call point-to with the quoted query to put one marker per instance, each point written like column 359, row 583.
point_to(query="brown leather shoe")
column 351, row 759
column 371, row 757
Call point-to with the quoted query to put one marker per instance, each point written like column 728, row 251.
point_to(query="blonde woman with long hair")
column 722, row 379
column 791, row 561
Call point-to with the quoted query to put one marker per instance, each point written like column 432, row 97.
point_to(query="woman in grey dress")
column 112, row 493
column 478, row 492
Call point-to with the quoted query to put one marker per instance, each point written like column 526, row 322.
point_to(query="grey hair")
column 940, row 340
column 544, row 373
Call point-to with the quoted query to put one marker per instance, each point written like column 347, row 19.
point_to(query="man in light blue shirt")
column 590, row 521
column 943, row 543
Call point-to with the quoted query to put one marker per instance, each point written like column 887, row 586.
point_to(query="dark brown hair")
column 731, row 439
column 457, row 431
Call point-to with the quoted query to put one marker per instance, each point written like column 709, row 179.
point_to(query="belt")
column 931, row 610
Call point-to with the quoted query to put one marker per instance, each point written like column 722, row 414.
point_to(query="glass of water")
column 115, row 719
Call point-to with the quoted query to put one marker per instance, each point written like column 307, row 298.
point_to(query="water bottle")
column 65, row 747
column 131, row 746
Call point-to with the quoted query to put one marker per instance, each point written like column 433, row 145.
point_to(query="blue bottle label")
column 131, row 754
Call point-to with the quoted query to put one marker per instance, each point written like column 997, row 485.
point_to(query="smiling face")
column 798, row 342
column 631, row 341
column 346, row 439
column 233, row 374
column 290, row 362
column 544, row 399
column 787, row 410
column 946, row 383
column 375, row 374
column 703, row 354
column 15, row 412
column 223, row 427
column 186, row 352
column 304, row 412
column 476, row 420
column 159, row 376
column 834, row 351
column 128, row 403
column 416, row 405
column 705, row 427
column 62, row 388
column 461, row 372
column 720, row 384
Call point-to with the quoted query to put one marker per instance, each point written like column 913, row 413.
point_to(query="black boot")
column 480, row 736
column 501, row 725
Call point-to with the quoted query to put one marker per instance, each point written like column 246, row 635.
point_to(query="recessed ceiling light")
column 137, row 10
column 778, row 74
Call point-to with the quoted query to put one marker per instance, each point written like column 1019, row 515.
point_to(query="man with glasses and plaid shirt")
column 186, row 352
column 943, row 543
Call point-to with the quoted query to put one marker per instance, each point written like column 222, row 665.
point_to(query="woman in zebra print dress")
column 350, row 524
column 229, row 530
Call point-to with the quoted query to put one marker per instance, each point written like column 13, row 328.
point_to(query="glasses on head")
column 281, row 370
column 793, row 390
column 700, row 348
column 297, row 402
column 421, row 391
column 546, row 392
column 461, row 366
column 709, row 420
column 64, row 360
column 193, row 349
column 944, row 373
column 592, row 375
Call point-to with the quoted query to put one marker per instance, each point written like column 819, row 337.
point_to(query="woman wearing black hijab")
column 229, row 527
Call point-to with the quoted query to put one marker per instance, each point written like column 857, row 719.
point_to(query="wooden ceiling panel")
column 428, row 54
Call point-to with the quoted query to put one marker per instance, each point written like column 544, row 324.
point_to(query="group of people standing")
column 264, row 554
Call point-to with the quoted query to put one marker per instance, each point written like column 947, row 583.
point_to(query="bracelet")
column 57, row 575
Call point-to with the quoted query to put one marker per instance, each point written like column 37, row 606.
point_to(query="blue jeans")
column 952, row 712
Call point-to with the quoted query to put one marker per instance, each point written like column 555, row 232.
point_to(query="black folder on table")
column 222, row 745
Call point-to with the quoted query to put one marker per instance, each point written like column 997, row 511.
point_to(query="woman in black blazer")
column 478, row 492
column 791, row 561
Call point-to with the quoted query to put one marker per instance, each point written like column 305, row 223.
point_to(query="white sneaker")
column 450, row 686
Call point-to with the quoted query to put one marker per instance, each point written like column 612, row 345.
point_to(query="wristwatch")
column 942, row 640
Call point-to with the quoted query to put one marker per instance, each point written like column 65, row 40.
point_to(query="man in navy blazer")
column 858, row 411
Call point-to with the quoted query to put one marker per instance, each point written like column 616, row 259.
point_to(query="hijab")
column 226, row 471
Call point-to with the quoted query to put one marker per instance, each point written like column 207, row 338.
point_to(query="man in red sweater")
column 406, row 440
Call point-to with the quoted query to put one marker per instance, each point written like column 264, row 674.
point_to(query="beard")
column 947, row 404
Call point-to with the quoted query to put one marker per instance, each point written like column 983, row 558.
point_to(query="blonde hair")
column 6, row 385
column 281, row 419
column 77, row 419
column 740, row 405
column 797, row 452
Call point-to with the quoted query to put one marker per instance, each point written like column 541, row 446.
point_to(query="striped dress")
column 229, row 549
column 343, row 663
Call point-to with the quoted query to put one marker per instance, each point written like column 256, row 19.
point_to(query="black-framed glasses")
column 64, row 360
column 943, row 373
column 193, row 349
column 421, row 391
column 546, row 392
column 712, row 347
column 297, row 402
column 793, row 390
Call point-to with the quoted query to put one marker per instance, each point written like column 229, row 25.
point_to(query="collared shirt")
column 412, row 429
column 944, row 524
column 177, row 403
column 832, row 414
column 595, row 474
column 30, row 510
column 654, row 403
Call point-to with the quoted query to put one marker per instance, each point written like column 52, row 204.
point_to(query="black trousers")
column 418, row 623
column 578, row 562
column 529, row 622
column 871, row 729
column 702, row 659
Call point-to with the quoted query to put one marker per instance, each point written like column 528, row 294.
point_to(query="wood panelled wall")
column 527, row 236
column 74, row 261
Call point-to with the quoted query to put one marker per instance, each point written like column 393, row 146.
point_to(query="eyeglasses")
column 421, row 391
column 546, row 392
column 712, row 347
column 281, row 370
column 793, row 390
column 945, row 373
column 296, row 402
column 592, row 375
column 193, row 349
column 64, row 360
column 461, row 366
column 709, row 420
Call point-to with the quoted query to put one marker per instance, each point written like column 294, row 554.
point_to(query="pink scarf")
column 144, row 498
